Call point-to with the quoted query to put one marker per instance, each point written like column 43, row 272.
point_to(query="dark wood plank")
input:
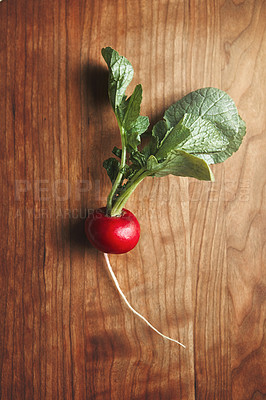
column 197, row 273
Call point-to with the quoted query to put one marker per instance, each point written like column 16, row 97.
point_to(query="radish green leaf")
column 202, row 128
column 180, row 163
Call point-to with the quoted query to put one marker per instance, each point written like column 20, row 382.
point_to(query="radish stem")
column 130, row 307
column 120, row 173
column 122, row 199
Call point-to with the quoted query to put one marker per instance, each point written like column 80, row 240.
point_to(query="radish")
column 202, row 128
column 113, row 235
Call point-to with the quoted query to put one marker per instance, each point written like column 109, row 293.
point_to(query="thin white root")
column 130, row 307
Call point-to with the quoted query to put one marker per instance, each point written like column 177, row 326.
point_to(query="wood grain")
column 198, row 271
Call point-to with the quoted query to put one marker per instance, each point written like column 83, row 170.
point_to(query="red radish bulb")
column 114, row 235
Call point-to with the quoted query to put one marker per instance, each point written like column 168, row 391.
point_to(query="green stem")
column 120, row 173
column 122, row 199
column 137, row 174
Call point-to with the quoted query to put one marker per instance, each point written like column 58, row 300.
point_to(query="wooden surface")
column 198, row 271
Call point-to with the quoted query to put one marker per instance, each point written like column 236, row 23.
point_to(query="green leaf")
column 138, row 159
column 208, row 103
column 180, row 163
column 122, row 108
column 133, row 134
column 172, row 139
column 127, row 110
column 120, row 75
column 117, row 152
column 112, row 167
column 146, row 151
column 152, row 165
column 204, row 123
column 234, row 143
column 159, row 132
column 133, row 108
column 133, row 123
column 205, row 137
column 193, row 135
column 202, row 128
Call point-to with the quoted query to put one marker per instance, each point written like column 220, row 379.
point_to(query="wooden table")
column 198, row 271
